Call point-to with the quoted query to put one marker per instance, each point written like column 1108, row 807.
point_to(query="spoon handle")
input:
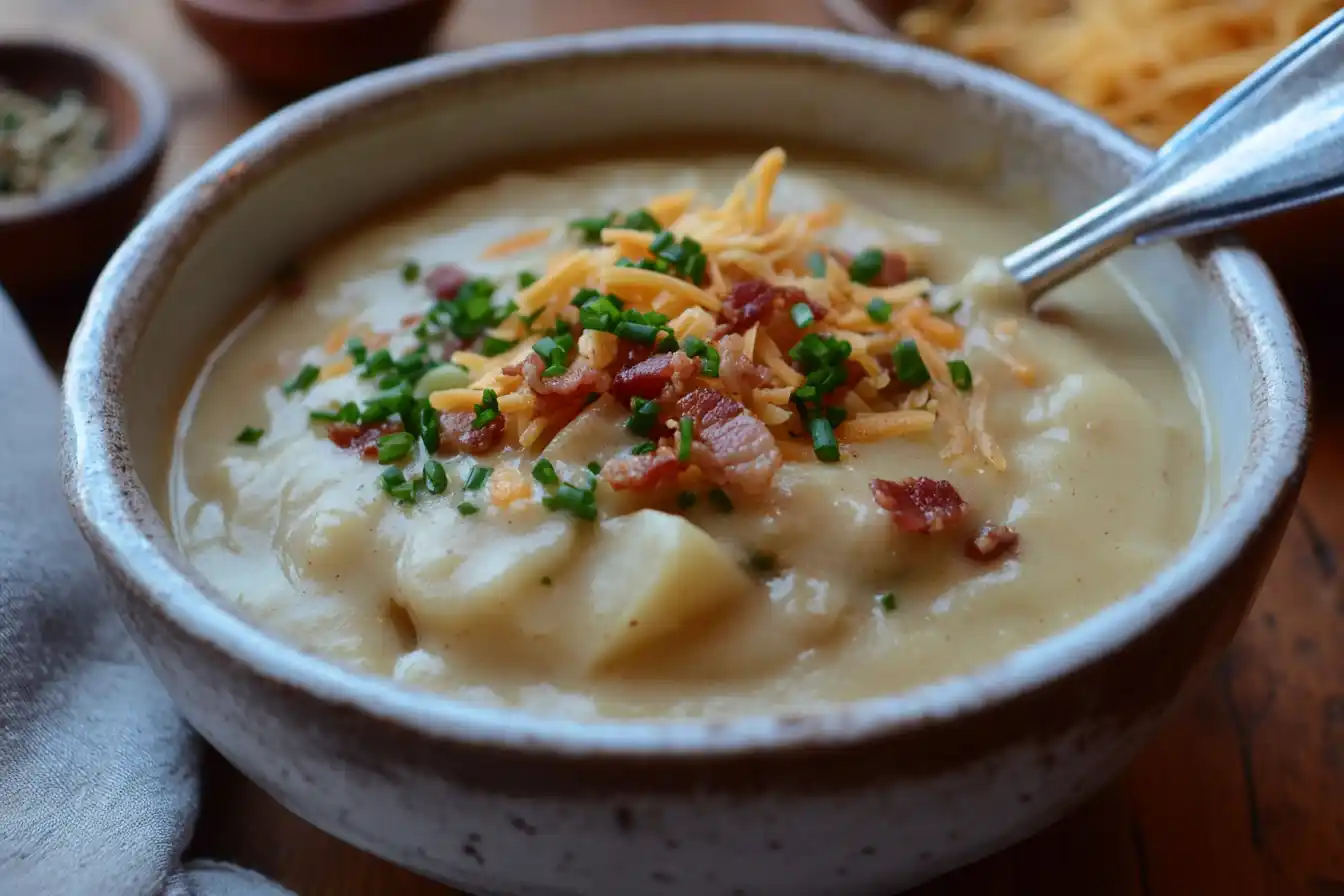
column 1274, row 142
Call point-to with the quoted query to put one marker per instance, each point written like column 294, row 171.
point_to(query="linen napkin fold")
column 99, row 776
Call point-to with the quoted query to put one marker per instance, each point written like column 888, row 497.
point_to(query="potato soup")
column 654, row 438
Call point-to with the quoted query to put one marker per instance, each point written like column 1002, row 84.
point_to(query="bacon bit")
column 665, row 375
column 457, row 435
column 733, row 446
column 920, row 504
column 579, row 381
column 446, row 281
column 991, row 543
column 361, row 438
column 643, row 471
column 629, row 353
column 757, row 301
column 736, row 371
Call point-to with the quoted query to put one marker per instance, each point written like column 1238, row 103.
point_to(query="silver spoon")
column 1274, row 142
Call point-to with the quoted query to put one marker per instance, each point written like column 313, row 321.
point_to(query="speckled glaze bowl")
column 865, row 798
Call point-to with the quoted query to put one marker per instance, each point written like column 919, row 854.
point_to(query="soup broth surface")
column 672, row 603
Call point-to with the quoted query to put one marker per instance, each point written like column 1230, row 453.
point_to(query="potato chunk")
column 449, row 583
column 648, row 575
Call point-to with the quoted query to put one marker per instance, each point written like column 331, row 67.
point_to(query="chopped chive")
column 695, row 347
column 493, row 346
column 887, row 602
column 544, row 472
column 645, row 415
column 719, row 499
column 644, row 448
column 636, row 332
column 802, row 315
column 687, row 434
column 429, row 426
column 823, row 440
column 836, row 415
column 354, row 347
column 526, row 279
column 762, row 561
column 476, row 479
column 640, row 219
column 580, row 502
column 410, row 272
column 668, row 344
column 816, row 263
column 866, row 266
column 303, row 380
column 595, row 468
column 910, row 368
column 249, row 436
column 950, row 309
column 394, row 446
column 879, row 310
column 466, row 508
column 686, row 500
column 325, row 416
column 590, row 228
column 436, row 478
column 378, row 363
column 663, row 241
column 583, row 296
column 961, row 375
column 394, row 482
column 487, row 411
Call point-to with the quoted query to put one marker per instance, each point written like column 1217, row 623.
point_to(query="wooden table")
column 1242, row 794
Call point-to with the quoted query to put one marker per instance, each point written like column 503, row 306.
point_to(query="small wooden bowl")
column 53, row 245
column 294, row 47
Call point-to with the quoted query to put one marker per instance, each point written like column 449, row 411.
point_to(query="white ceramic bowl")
column 868, row 797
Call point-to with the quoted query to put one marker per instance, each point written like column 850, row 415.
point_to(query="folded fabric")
column 99, row 776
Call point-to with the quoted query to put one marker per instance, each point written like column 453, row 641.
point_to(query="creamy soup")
column 720, row 445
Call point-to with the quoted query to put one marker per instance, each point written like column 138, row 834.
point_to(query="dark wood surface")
column 1243, row 793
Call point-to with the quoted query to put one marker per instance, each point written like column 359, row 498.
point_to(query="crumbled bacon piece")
column 457, row 435
column 920, row 504
column 642, row 471
column 736, row 371
column 653, row 376
column 757, row 301
column 991, row 543
column 446, row 281
column 361, row 438
column 579, row 380
column 732, row 446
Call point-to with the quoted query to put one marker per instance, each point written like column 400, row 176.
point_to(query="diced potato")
column 649, row 575
column 596, row 434
column 450, row 582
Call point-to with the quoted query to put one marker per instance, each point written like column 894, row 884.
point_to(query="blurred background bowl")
column 53, row 244
column 294, row 47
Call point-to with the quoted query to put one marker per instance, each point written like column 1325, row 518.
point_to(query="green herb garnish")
column 397, row 486
column 879, row 310
column 695, row 347
column 644, row 416
column 410, row 272
column 303, row 380
column 910, row 369
column 816, row 264
column 354, row 347
column 590, row 228
column 466, row 508
column 687, row 434
column 526, row 279
column 866, row 266
column 644, row 448
column 493, row 346
column 487, row 411
column 428, row 419
column 477, row 477
column 640, row 219
column 823, row 440
column 887, row 602
column 395, row 446
column 581, row 502
column 436, row 478
column 802, row 315
column 249, row 436
column 961, row 375
column 544, row 472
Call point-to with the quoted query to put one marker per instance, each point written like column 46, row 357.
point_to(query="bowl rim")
column 113, row 508
column 245, row 12
column 116, row 172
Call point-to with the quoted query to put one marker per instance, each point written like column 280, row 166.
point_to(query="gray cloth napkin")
column 98, row 774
